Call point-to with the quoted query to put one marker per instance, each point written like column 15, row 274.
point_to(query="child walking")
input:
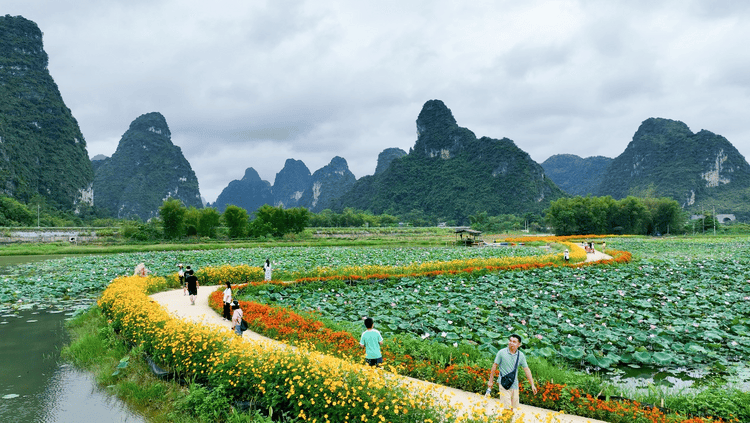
column 371, row 340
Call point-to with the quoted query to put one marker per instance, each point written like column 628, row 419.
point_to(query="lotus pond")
column 684, row 306
column 87, row 276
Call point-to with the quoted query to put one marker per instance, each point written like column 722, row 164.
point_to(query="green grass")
column 330, row 237
column 96, row 348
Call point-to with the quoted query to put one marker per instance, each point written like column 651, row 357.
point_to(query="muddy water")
column 35, row 385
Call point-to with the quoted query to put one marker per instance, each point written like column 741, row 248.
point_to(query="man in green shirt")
column 505, row 360
column 371, row 340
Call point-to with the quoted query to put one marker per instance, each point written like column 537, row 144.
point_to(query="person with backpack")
column 237, row 318
column 508, row 360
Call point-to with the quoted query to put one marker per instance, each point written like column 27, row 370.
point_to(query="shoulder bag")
column 507, row 380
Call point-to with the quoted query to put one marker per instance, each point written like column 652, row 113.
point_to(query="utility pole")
column 714, row 220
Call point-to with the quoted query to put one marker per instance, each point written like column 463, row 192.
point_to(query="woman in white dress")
column 228, row 301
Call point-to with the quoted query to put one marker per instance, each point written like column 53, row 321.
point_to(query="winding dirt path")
column 179, row 305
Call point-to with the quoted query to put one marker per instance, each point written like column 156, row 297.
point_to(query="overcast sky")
column 246, row 83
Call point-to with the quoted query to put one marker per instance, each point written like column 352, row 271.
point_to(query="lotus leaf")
column 643, row 357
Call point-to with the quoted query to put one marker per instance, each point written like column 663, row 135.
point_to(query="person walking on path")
column 237, row 318
column 181, row 276
column 141, row 270
column 507, row 360
column 267, row 269
column 192, row 284
column 228, row 301
column 371, row 340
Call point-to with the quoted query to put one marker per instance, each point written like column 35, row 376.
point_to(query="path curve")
column 177, row 304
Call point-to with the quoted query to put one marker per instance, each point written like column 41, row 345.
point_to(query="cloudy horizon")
column 251, row 84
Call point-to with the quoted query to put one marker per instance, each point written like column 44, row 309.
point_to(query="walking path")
column 179, row 305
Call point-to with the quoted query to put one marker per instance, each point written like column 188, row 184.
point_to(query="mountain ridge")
column 146, row 169
column 42, row 150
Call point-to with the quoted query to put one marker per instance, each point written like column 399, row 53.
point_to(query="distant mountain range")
column 448, row 175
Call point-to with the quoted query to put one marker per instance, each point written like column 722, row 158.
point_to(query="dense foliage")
column 350, row 218
column 43, row 150
column 277, row 221
column 603, row 215
column 236, row 220
column 13, row 213
column 172, row 214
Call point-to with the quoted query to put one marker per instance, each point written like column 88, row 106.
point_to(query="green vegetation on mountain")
column 450, row 174
column 291, row 181
column 386, row 157
column 145, row 170
column 576, row 175
column 699, row 170
column 327, row 185
column 250, row 192
column 42, row 150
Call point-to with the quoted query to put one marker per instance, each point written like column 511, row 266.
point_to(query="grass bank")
column 315, row 237
column 96, row 348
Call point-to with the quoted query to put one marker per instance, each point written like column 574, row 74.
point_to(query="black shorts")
column 193, row 291
column 374, row 361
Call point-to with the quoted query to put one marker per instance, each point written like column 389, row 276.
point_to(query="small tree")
column 208, row 222
column 191, row 221
column 172, row 215
column 236, row 219
column 276, row 221
column 13, row 213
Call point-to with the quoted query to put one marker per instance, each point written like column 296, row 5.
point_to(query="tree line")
column 605, row 215
column 178, row 221
column 565, row 216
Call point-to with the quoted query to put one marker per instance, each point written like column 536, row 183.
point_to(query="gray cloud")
column 250, row 84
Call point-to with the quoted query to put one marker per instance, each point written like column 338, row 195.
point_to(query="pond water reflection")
column 35, row 386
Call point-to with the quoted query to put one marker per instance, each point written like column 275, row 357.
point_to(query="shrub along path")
column 179, row 305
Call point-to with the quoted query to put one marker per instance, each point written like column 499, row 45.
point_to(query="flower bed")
column 460, row 375
column 292, row 327
column 310, row 264
column 309, row 385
